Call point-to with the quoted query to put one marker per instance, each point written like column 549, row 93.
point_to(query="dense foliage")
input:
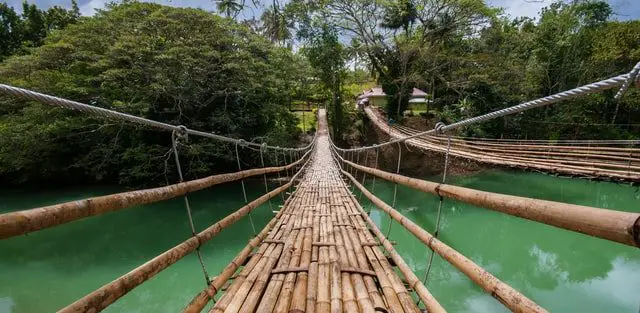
column 239, row 78
column 20, row 32
column 181, row 66
column 472, row 60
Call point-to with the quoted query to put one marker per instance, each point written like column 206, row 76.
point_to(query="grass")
column 309, row 120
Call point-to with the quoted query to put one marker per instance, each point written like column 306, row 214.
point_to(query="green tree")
column 180, row 66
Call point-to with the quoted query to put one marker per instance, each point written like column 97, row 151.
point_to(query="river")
column 560, row 270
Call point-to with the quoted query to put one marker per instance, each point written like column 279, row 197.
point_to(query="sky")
column 623, row 9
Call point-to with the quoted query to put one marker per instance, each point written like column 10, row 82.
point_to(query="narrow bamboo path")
column 320, row 255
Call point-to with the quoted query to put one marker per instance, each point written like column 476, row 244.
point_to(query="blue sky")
column 623, row 9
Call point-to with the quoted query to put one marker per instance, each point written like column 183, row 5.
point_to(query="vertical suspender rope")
column 175, row 136
column 444, row 179
column 373, row 185
column 364, row 174
column 266, row 186
column 395, row 188
column 279, row 177
column 292, row 171
column 244, row 191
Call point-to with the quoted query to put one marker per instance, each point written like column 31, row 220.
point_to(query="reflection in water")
column 561, row 270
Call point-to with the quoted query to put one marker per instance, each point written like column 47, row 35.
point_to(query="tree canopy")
column 181, row 66
column 210, row 71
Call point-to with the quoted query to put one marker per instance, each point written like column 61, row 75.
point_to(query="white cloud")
column 518, row 8
column 89, row 8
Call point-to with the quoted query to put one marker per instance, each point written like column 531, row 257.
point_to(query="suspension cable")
column 175, row 137
column 632, row 76
column 107, row 113
column 244, row 191
column 438, row 128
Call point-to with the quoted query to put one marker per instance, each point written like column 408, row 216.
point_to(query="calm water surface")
column 561, row 270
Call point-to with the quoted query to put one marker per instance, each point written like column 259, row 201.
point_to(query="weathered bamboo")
column 109, row 293
column 622, row 227
column 504, row 293
column 201, row 300
column 26, row 221
column 374, row 254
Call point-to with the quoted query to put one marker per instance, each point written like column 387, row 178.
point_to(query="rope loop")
column 242, row 143
column 439, row 127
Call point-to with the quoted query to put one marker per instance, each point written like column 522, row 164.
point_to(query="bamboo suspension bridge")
column 321, row 251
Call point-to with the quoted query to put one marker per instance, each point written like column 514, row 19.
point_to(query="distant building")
column 377, row 97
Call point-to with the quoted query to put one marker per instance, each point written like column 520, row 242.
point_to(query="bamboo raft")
column 595, row 160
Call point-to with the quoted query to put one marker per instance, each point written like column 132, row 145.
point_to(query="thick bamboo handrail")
column 622, row 227
column 509, row 297
column 26, row 221
column 431, row 303
column 200, row 300
column 99, row 299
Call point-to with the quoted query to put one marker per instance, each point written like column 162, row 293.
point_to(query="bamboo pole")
column 26, row 221
column 374, row 253
column 201, row 300
column 622, row 227
column 109, row 293
column 504, row 293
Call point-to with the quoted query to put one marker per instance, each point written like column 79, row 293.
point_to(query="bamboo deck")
column 320, row 255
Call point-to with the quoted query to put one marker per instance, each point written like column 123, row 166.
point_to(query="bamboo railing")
column 26, row 221
column 622, row 227
column 509, row 297
column 102, row 297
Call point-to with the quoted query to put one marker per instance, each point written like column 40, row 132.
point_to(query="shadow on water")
column 46, row 270
column 561, row 270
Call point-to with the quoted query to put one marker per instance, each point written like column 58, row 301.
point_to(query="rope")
column 373, row 186
column 292, row 171
column 102, row 112
column 355, row 170
column 438, row 128
column 364, row 174
column 279, row 178
column 544, row 101
column 395, row 188
column 175, row 136
column 632, row 76
column 244, row 191
column 266, row 186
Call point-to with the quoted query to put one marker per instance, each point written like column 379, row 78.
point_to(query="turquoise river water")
column 561, row 270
